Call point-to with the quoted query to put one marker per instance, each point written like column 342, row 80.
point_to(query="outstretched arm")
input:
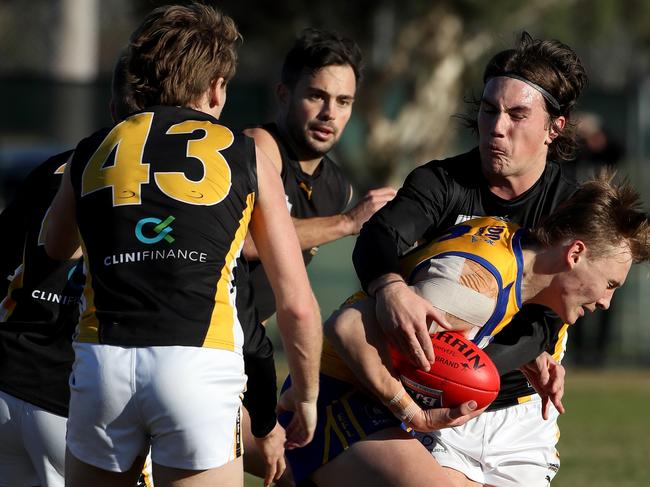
column 297, row 311
column 316, row 231
column 321, row 230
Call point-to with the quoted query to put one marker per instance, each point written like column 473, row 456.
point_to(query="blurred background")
column 424, row 61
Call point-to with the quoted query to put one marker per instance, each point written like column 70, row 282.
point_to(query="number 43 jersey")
column 163, row 204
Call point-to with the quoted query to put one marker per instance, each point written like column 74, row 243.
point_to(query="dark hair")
column 315, row 49
column 556, row 68
column 122, row 98
column 177, row 51
column 603, row 214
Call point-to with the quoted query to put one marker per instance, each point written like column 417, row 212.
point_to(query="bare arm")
column 297, row 311
column 319, row 230
column 61, row 232
column 355, row 335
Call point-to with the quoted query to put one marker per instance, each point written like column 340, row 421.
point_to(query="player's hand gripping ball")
column 461, row 372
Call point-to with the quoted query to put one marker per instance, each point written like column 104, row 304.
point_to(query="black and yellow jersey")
column 326, row 192
column 442, row 193
column 39, row 313
column 493, row 244
column 163, row 203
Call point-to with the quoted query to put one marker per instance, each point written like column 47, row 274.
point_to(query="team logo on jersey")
column 161, row 228
column 76, row 277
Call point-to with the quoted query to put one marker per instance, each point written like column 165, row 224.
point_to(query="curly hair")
column 177, row 51
column 553, row 66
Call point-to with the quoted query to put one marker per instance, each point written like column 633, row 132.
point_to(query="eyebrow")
column 514, row 109
column 320, row 91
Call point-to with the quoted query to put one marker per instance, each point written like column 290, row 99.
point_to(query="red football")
column 461, row 372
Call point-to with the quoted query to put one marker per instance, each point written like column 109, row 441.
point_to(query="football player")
column 162, row 293
column 478, row 275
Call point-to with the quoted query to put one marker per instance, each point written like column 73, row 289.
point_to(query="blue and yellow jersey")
column 163, row 201
column 493, row 244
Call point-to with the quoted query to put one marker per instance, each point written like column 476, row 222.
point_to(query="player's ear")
column 282, row 92
column 555, row 128
column 576, row 251
column 218, row 92
column 112, row 107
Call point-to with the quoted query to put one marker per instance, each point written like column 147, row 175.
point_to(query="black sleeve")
column 391, row 231
column 260, row 398
column 532, row 331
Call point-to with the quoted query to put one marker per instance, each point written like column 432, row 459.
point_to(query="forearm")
column 355, row 336
column 302, row 339
column 311, row 232
column 321, row 230
column 397, row 226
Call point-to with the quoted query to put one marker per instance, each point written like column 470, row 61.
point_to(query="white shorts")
column 183, row 401
column 32, row 444
column 513, row 446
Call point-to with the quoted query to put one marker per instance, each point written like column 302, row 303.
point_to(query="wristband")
column 386, row 284
column 403, row 407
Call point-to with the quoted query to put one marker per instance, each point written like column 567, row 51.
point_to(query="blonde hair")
column 602, row 213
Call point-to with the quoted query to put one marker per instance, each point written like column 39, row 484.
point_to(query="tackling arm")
column 355, row 335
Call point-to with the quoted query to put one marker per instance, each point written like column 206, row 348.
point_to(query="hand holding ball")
column 461, row 372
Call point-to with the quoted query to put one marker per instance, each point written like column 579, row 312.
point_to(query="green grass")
column 605, row 432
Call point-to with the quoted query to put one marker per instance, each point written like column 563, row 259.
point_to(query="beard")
column 306, row 146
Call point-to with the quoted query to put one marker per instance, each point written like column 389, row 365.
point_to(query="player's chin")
column 321, row 147
column 572, row 316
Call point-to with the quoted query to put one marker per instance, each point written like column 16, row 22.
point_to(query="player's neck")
column 308, row 162
column 310, row 166
column 540, row 267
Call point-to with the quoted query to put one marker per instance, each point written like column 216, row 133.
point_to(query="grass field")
column 605, row 438
column 606, row 430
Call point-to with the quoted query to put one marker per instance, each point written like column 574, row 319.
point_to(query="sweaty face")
column 591, row 283
column 513, row 128
column 318, row 109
